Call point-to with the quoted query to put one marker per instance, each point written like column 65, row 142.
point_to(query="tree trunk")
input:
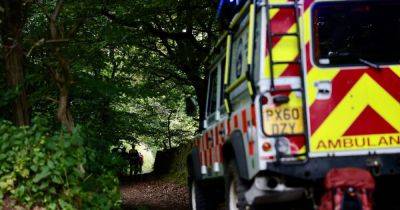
column 63, row 76
column 13, row 57
column 169, row 130
column 63, row 113
column 200, row 88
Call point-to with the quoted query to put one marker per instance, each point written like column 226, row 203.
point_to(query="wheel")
column 201, row 196
column 235, row 188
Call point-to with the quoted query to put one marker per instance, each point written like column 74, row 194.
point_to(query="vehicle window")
column 212, row 93
column 355, row 32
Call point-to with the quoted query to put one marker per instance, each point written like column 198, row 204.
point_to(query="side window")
column 239, row 56
column 212, row 93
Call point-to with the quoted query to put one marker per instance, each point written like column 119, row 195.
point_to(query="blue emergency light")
column 229, row 7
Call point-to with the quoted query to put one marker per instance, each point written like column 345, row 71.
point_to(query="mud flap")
column 348, row 189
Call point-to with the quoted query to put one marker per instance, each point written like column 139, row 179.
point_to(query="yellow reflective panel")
column 279, row 1
column 306, row 20
column 228, row 59
column 396, row 70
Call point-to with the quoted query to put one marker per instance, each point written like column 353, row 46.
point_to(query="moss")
column 178, row 172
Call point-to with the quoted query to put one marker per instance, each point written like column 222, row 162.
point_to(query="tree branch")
column 53, row 18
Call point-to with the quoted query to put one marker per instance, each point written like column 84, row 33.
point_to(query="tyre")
column 201, row 196
column 235, row 188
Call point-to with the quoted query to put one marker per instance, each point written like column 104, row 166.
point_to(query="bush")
column 53, row 170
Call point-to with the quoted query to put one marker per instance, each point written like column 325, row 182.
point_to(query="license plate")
column 283, row 120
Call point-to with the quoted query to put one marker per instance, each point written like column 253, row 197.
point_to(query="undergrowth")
column 54, row 170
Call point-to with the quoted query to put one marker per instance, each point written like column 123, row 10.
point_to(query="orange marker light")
column 266, row 146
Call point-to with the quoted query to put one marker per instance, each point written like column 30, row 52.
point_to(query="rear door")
column 352, row 53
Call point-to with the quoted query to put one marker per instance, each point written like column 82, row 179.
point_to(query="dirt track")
column 146, row 193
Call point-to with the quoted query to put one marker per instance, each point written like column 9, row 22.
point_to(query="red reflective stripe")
column 215, row 150
column 216, row 136
column 235, row 121
column 308, row 57
column 221, row 135
column 201, row 143
column 206, row 157
column 244, row 120
column 218, row 155
column 251, row 148
column 205, row 141
column 210, row 157
column 211, row 139
column 253, row 115
column 221, row 155
column 228, row 124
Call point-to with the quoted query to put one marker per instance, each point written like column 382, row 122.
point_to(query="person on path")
column 140, row 163
column 133, row 161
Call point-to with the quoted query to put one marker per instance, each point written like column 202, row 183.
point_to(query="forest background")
column 78, row 77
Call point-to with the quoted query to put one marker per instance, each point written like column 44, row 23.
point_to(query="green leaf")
column 43, row 174
column 44, row 185
column 34, row 168
column 56, row 179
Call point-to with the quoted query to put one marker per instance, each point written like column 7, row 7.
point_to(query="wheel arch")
column 234, row 149
column 193, row 165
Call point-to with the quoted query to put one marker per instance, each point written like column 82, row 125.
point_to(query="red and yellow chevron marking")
column 365, row 118
column 284, row 48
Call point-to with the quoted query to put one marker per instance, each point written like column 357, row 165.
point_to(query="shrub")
column 53, row 170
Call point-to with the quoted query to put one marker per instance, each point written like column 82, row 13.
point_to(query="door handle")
column 324, row 90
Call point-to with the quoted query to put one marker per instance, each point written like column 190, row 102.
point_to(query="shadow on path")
column 146, row 192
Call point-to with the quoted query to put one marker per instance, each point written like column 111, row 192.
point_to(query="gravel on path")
column 149, row 194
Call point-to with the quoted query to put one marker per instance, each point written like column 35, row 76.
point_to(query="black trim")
column 194, row 166
column 250, row 68
column 239, row 150
column 316, row 168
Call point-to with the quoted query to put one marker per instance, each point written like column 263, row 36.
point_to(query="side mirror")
column 191, row 107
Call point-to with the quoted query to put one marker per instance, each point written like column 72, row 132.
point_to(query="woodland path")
column 145, row 192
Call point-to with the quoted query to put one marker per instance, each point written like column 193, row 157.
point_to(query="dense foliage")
column 43, row 168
